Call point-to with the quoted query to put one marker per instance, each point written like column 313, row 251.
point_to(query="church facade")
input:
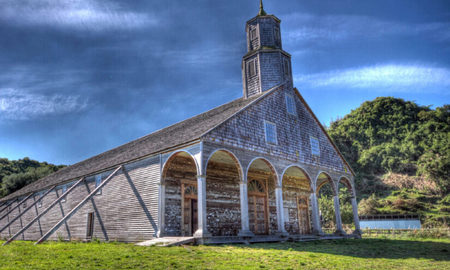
column 248, row 169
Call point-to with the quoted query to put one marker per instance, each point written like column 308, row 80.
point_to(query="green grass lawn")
column 371, row 253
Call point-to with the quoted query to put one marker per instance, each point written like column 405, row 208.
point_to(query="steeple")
column 261, row 9
column 266, row 64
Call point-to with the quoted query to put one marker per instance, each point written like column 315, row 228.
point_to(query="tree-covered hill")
column 15, row 174
column 401, row 154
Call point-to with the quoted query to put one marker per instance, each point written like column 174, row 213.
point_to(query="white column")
column 355, row 216
column 280, row 210
column 162, row 210
column 317, row 227
column 337, row 212
column 245, row 227
column 202, row 230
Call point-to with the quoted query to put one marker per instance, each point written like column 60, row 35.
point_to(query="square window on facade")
column 271, row 132
column 251, row 65
column 98, row 181
column 290, row 104
column 315, row 149
column 63, row 190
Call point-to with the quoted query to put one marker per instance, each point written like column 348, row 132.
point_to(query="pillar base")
column 246, row 233
column 282, row 233
column 159, row 234
column 340, row 232
column 357, row 232
column 318, row 233
column 201, row 234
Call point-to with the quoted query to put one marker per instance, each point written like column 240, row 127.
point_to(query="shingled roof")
column 169, row 137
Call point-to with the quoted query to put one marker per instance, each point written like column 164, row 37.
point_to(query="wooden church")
column 249, row 169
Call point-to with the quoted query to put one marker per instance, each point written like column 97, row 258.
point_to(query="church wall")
column 271, row 69
column 246, row 131
column 223, row 208
column 126, row 209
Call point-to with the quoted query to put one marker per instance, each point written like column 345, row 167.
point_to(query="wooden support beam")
column 75, row 209
column 8, row 204
column 15, row 207
column 28, row 208
column 43, row 212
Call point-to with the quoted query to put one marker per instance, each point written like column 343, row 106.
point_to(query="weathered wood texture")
column 126, row 209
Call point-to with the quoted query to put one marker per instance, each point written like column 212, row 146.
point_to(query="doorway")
column 303, row 215
column 257, row 207
column 189, row 210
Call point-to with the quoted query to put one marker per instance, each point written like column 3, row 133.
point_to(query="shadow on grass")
column 369, row 248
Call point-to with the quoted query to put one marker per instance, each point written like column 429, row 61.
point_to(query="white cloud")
column 344, row 27
column 91, row 15
column 22, row 105
column 411, row 78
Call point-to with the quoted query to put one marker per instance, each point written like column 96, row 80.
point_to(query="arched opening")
column 223, row 209
column 262, row 209
column 180, row 179
column 296, row 201
column 325, row 193
column 345, row 202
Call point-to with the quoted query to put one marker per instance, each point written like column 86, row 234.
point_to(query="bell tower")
column 266, row 64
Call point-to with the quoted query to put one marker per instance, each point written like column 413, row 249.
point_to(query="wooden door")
column 257, row 207
column 194, row 215
column 189, row 211
column 303, row 215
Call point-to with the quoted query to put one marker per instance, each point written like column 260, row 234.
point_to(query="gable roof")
column 178, row 134
column 323, row 130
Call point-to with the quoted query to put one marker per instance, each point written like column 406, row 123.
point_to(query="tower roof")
column 261, row 9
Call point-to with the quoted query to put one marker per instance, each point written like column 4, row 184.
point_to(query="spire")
column 261, row 9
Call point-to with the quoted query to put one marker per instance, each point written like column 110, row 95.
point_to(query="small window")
column 253, row 33
column 251, row 66
column 90, row 225
column 98, row 181
column 276, row 34
column 63, row 190
column 290, row 104
column 271, row 132
column 315, row 150
column 286, row 66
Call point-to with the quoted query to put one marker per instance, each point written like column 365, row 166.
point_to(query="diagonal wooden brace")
column 8, row 204
column 28, row 208
column 76, row 208
column 43, row 212
column 15, row 207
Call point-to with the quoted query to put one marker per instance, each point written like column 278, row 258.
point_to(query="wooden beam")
column 8, row 204
column 75, row 209
column 15, row 207
column 28, row 208
column 43, row 212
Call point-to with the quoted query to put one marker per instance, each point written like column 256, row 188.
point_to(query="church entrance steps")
column 168, row 241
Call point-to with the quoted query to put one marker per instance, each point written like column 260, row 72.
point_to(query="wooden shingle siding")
column 246, row 130
column 127, row 209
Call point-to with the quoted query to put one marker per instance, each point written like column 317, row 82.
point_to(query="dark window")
column 252, row 33
column 252, row 68
column 286, row 66
column 90, row 225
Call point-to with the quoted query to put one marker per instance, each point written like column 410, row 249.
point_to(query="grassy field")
column 370, row 253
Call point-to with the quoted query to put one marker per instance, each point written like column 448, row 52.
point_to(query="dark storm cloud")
column 78, row 77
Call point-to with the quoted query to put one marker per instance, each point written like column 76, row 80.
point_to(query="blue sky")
column 79, row 77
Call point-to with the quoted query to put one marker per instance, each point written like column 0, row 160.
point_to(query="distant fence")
column 419, row 233
column 399, row 222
